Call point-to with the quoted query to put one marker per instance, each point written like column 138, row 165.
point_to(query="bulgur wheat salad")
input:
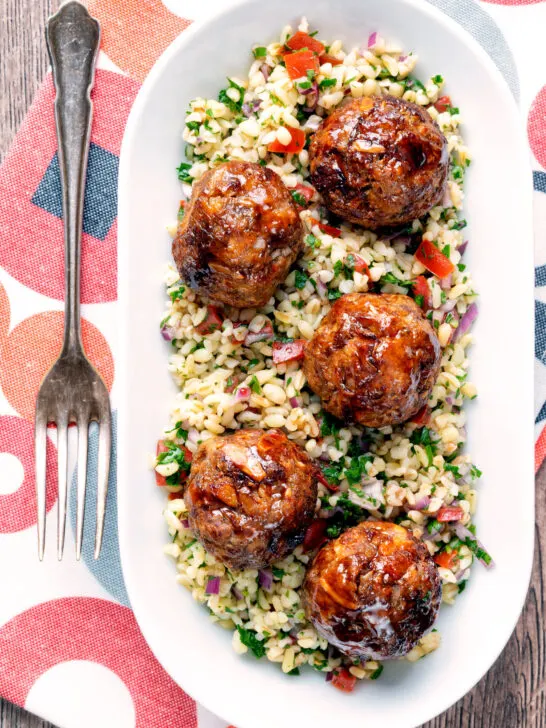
column 231, row 375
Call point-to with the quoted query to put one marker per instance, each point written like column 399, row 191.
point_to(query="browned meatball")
column 373, row 359
column 373, row 592
column 379, row 162
column 250, row 497
column 239, row 236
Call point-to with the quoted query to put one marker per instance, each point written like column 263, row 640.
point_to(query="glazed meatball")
column 239, row 236
column 250, row 497
column 379, row 162
column 373, row 592
column 373, row 360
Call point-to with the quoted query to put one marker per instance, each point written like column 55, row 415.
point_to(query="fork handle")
column 73, row 39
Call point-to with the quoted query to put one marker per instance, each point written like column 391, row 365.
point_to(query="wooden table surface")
column 513, row 693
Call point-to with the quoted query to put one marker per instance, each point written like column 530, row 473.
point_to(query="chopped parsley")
column 452, row 469
column 223, row 97
column 193, row 125
column 249, row 639
column 299, row 199
column 478, row 551
column 334, row 295
column 312, row 241
column 422, row 437
column 277, row 573
column 177, row 293
column 183, row 169
column 255, row 385
column 393, row 280
column 326, row 83
column 453, row 110
column 459, row 225
column 181, row 433
column 376, row 673
column 357, row 468
column 332, row 472
column 173, row 454
column 260, row 52
column 414, row 83
column 475, row 473
column 300, row 280
column 329, row 425
column 438, row 79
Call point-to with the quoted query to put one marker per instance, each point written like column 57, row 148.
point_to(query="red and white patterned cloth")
column 70, row 649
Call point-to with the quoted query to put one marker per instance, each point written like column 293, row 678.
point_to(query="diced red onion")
column 463, row 533
column 213, row 585
column 459, row 576
column 445, row 283
column 449, row 400
column 167, row 332
column 402, row 59
column 266, row 332
column 462, row 248
column 322, row 289
column 185, row 523
column 446, row 201
column 421, row 504
column 264, row 68
column 372, row 40
column 329, row 676
column 401, row 239
column 242, row 394
column 236, row 593
column 294, row 402
column 438, row 316
column 199, row 140
column 448, row 306
column 251, row 107
column 466, row 322
column 265, row 579
column 193, row 435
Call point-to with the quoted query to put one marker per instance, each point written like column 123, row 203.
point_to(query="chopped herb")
column 299, row 199
column 164, row 322
column 193, row 125
column 333, row 531
column 260, row 52
column 475, row 473
column 334, row 295
column 189, row 544
column 438, row 79
column 332, row 472
column 173, row 454
column 249, row 639
column 255, row 385
column 357, row 468
column 393, row 280
column 329, row 424
column 419, row 300
column 376, row 673
column 312, row 241
column 199, row 345
column 177, row 293
column 181, row 433
column 478, row 551
column 277, row 573
column 459, row 225
column 453, row 110
column 446, row 250
column 452, row 469
column 304, row 85
column 434, row 526
column 294, row 671
column 183, row 169
column 461, row 266
column 253, row 362
column 209, row 112
column 181, row 213
column 422, row 437
column 275, row 99
column 326, row 83
column 300, row 280
column 223, row 97
column 462, row 586
column 458, row 172
column 412, row 82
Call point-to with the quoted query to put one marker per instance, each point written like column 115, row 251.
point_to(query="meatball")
column 379, row 162
column 239, row 236
column 373, row 592
column 374, row 359
column 250, row 497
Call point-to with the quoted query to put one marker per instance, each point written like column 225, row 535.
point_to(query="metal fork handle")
column 73, row 39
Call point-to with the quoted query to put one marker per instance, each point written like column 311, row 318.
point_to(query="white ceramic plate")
column 195, row 653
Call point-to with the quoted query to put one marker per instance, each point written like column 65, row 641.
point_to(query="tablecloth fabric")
column 70, row 649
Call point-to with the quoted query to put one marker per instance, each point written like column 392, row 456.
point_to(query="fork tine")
column 105, row 443
column 40, row 455
column 62, row 460
column 83, row 434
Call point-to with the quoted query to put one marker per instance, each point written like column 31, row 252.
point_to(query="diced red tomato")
column 325, row 482
column 343, row 680
column 175, row 496
column 296, row 145
column 297, row 64
column 212, row 322
column 361, row 266
column 447, row 559
column 449, row 513
column 302, row 40
column 443, row 104
column 266, row 332
column 422, row 417
column 291, row 351
column 326, row 58
column 162, row 447
column 433, row 259
column 306, row 192
column 234, row 340
column 329, row 230
column 420, row 288
column 235, row 379
column 315, row 535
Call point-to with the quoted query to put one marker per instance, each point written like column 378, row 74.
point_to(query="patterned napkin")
column 70, row 649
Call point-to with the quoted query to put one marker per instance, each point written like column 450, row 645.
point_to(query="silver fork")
column 72, row 390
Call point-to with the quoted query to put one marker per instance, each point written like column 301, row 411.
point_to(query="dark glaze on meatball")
column 239, row 236
column 373, row 592
column 250, row 497
column 379, row 162
column 374, row 359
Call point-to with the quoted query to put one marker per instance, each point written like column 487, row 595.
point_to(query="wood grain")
column 513, row 693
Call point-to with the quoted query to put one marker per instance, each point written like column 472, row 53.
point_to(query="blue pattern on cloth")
column 107, row 569
column 101, row 192
column 539, row 180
